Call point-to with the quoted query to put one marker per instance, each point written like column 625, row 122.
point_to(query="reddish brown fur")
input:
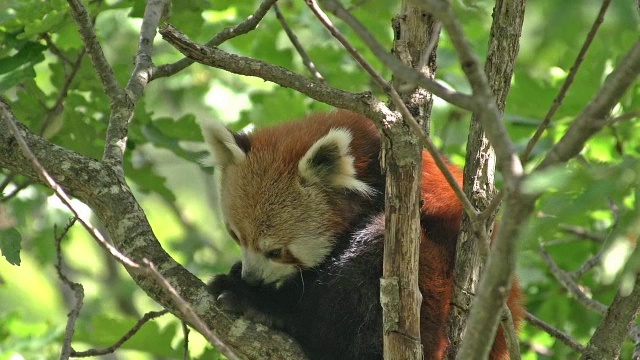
column 441, row 211
column 437, row 260
column 294, row 140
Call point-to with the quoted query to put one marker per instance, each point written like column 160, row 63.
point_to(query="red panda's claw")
column 230, row 302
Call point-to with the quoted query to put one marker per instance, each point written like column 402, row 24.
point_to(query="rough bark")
column 607, row 341
column 400, row 294
column 102, row 189
column 480, row 165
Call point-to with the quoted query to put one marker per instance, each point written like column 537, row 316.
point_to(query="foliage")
column 40, row 47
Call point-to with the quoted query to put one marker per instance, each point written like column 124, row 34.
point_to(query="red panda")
column 305, row 202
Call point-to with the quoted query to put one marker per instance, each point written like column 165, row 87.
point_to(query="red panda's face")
column 276, row 201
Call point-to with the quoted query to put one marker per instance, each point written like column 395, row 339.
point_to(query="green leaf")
column 29, row 53
column 15, row 77
column 147, row 180
column 10, row 245
column 158, row 138
column 184, row 128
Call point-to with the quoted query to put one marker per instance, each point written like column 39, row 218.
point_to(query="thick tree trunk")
column 402, row 162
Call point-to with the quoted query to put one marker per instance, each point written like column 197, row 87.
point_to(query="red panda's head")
column 284, row 191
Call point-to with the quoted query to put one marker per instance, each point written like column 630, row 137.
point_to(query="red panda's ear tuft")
column 223, row 144
column 328, row 162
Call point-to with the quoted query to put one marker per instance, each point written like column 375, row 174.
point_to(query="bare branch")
column 44, row 176
column 608, row 338
column 296, row 44
column 185, row 335
column 486, row 109
column 363, row 103
column 567, row 82
column 122, row 108
column 102, row 67
column 228, row 33
column 627, row 116
column 189, row 314
column 594, row 117
column 142, row 72
column 556, row 333
column 78, row 292
column 510, row 333
column 57, row 108
column 109, row 350
column 101, row 188
column 397, row 101
column 479, row 170
column 400, row 70
column 568, row 283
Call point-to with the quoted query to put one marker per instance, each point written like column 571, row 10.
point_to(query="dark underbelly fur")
column 332, row 310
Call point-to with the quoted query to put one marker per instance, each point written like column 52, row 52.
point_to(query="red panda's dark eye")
column 274, row 254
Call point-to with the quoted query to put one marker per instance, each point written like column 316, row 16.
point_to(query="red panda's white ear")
column 328, row 162
column 223, row 146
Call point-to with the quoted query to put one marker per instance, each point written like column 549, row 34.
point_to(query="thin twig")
column 581, row 232
column 142, row 72
column 55, row 50
column 57, row 108
column 426, row 53
column 587, row 265
column 363, row 103
column 109, row 350
column 77, row 289
column 185, row 344
column 395, row 97
column 15, row 191
column 626, row 116
column 189, row 314
column 85, row 27
column 567, row 82
column 57, row 189
column 570, row 285
column 407, row 74
column 594, row 116
column 228, row 33
column 296, row 44
column 556, row 333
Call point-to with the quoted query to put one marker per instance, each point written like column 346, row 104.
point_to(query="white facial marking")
column 257, row 268
column 222, row 145
column 311, row 251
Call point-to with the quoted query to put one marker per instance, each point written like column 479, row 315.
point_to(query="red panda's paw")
column 232, row 302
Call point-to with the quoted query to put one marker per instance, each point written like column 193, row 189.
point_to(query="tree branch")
column 102, row 189
column 144, row 65
column 296, row 44
column 228, row 33
column 78, row 292
column 567, row 82
column 400, row 70
column 85, row 28
column 594, row 117
column 109, row 350
column 607, row 341
column 556, row 333
column 479, row 170
column 363, row 103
